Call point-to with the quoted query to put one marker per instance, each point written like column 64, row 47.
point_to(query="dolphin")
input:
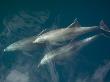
column 65, row 50
column 71, row 32
column 22, row 45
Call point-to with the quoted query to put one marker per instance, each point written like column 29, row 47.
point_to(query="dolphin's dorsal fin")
column 41, row 32
column 74, row 24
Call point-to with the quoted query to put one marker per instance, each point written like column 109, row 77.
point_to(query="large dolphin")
column 72, row 31
column 65, row 50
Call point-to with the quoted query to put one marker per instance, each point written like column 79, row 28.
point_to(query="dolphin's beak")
column 34, row 41
column 38, row 65
column 4, row 50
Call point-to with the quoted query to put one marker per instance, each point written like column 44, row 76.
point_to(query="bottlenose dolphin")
column 65, row 50
column 22, row 45
column 72, row 31
column 25, row 44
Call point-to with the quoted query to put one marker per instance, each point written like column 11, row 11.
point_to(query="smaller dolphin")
column 71, row 32
column 65, row 51
column 22, row 45
column 25, row 44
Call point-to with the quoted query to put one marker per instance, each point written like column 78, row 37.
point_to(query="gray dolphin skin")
column 66, row 50
column 72, row 31
column 22, row 45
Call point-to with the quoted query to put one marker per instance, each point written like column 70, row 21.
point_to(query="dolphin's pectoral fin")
column 74, row 24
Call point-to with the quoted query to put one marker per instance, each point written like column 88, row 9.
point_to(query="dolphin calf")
column 65, row 50
column 72, row 31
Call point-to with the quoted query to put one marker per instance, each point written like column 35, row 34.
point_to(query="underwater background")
column 24, row 18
